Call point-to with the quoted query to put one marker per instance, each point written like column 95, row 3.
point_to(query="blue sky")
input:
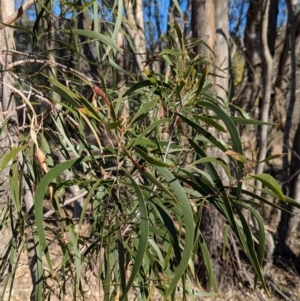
column 237, row 8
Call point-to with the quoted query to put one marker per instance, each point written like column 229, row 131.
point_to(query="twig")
column 278, row 290
column 67, row 202
column 34, row 59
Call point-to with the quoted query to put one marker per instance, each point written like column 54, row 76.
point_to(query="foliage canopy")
column 147, row 174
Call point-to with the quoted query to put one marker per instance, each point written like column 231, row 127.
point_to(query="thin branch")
column 67, row 202
column 34, row 59
column 17, row 14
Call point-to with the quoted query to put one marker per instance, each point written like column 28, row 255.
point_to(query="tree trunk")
column 222, row 50
column 210, row 19
column 136, row 30
column 8, row 117
column 287, row 245
column 203, row 24
column 267, row 64
column 8, row 140
column 292, row 234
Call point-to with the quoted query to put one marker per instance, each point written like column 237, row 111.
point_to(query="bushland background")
column 88, row 78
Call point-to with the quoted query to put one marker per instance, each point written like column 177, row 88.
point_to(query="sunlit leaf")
column 271, row 183
column 10, row 156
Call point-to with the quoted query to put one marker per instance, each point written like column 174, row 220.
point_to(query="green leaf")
column 202, row 80
column 206, row 257
column 97, row 36
column 143, row 239
column 250, row 251
column 118, row 68
column 137, row 86
column 66, row 93
column 214, row 160
column 211, row 122
column 188, row 221
column 244, row 114
column 277, row 156
column 271, row 183
column 10, row 156
column 150, row 128
column 117, row 23
column 150, row 105
column 250, row 121
column 169, row 224
column 204, row 132
column 39, row 268
column 39, row 200
column 77, row 254
column 150, row 159
column 209, row 166
column 234, row 134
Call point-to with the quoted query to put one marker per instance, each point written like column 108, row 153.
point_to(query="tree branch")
column 67, row 202
column 34, row 59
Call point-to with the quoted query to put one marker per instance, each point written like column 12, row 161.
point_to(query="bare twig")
column 33, row 59
column 67, row 202
column 271, row 282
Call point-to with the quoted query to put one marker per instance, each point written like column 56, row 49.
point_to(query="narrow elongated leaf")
column 277, row 156
column 118, row 68
column 208, row 165
column 250, row 251
column 236, row 156
column 10, row 156
column 39, row 268
column 150, row 128
column 207, row 262
column 77, row 254
column 250, row 121
column 168, row 222
column 211, row 122
column 261, row 237
column 137, row 86
column 97, row 36
column 150, row 105
column 188, row 220
column 237, row 145
column 271, row 183
column 143, row 239
column 214, row 160
column 176, row 3
column 203, row 132
column 150, row 159
column 39, row 198
column 117, row 24
column 235, row 137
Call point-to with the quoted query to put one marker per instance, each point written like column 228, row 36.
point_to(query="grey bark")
column 210, row 18
column 222, row 49
column 8, row 116
column 267, row 64
column 203, row 24
column 9, row 135
column 287, row 246
column 136, row 30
